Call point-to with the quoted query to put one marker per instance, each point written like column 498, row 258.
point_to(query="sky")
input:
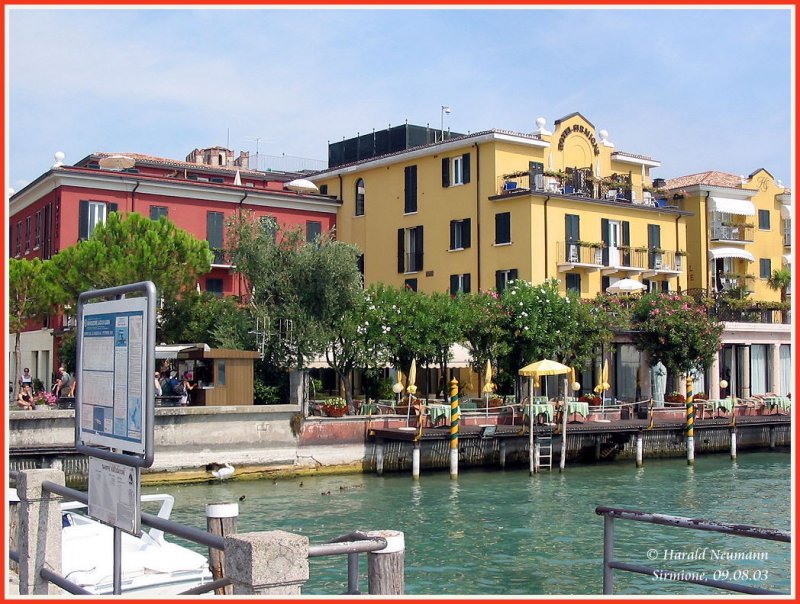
column 696, row 89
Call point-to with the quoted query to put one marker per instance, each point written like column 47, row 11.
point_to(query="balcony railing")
column 633, row 259
column 741, row 232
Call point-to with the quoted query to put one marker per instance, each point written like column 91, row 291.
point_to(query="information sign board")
column 115, row 494
column 112, row 374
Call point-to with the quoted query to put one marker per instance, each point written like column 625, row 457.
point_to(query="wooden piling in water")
column 733, row 443
column 220, row 520
column 386, row 567
column 415, row 453
column 639, row 450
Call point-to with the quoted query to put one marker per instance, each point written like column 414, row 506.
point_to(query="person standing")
column 63, row 383
column 157, row 383
column 182, row 390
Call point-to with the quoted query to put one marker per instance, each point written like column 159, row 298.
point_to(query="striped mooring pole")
column 689, row 421
column 454, row 428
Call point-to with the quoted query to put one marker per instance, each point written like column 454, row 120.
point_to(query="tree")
column 539, row 323
column 441, row 326
column 481, row 315
column 204, row 317
column 130, row 249
column 781, row 280
column 675, row 330
column 30, row 293
column 302, row 293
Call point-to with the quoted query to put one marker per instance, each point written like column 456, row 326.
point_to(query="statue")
column 659, row 381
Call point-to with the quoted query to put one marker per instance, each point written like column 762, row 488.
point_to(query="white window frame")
column 458, row 236
column 96, row 214
column 457, row 173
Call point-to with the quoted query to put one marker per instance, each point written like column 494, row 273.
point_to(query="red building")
column 64, row 204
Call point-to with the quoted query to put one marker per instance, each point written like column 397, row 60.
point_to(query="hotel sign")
column 579, row 128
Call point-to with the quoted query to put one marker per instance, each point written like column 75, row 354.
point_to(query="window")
column 360, row 197
column 409, row 250
column 323, row 189
column 214, row 221
column 37, row 231
column 157, row 212
column 502, row 228
column 574, row 283
column 90, row 214
column 220, row 380
column 214, row 286
column 765, row 268
column 460, row 236
column 410, row 203
column 313, row 230
column 18, row 240
column 459, row 284
column 28, row 234
column 503, row 278
column 411, row 284
column 456, row 170
column 217, row 179
column 360, row 265
column 763, row 220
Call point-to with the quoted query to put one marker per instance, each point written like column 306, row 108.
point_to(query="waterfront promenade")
column 275, row 441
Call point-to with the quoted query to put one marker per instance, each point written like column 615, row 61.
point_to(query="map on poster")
column 111, row 374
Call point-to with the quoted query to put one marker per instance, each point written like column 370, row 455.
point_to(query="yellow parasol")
column 412, row 377
column 603, row 385
column 545, row 367
column 487, row 378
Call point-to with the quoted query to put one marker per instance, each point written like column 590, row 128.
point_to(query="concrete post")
column 537, row 457
column 639, row 450
column 220, row 520
column 415, row 453
column 266, row 563
column 379, row 456
column 713, row 378
column 744, row 387
column 775, row 386
column 386, row 567
column 733, row 443
column 39, row 530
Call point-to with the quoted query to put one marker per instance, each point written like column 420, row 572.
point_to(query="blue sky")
column 697, row 89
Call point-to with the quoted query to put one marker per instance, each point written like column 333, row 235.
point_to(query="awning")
column 730, row 252
column 741, row 207
column 786, row 212
column 787, row 259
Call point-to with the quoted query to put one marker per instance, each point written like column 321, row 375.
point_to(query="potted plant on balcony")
column 675, row 397
column 335, row 407
column 592, row 399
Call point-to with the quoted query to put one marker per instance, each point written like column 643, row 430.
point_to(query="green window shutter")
column 513, row 274
column 453, row 285
column 83, row 220
column 445, row 171
column 626, row 240
column 466, row 284
column 572, row 224
column 418, row 244
column 498, row 281
column 465, row 168
column 111, row 207
column 604, row 235
column 453, row 224
column 401, row 261
column 466, row 233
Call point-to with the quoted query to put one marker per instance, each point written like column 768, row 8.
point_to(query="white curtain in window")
column 627, row 367
column 758, row 369
column 786, row 370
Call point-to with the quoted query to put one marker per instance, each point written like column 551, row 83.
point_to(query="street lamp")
column 723, row 384
column 445, row 109
column 397, row 389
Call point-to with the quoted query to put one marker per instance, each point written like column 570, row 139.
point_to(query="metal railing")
column 697, row 578
column 351, row 544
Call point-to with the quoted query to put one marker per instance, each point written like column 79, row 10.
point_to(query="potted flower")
column 45, row 399
column 675, row 397
column 335, row 407
column 592, row 399
column 700, row 396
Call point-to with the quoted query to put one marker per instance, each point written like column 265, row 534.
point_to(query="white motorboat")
column 151, row 566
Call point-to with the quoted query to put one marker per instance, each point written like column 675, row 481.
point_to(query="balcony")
column 647, row 262
column 732, row 233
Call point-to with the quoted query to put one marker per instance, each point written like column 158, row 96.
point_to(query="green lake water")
column 503, row 532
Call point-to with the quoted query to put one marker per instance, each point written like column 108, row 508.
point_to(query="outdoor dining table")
column 782, row 403
column 437, row 412
column 578, row 407
column 368, row 409
column 547, row 408
column 725, row 404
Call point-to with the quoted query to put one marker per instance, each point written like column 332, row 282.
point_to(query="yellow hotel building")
column 473, row 211
column 438, row 212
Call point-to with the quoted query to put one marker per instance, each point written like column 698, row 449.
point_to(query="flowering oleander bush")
column 45, row 398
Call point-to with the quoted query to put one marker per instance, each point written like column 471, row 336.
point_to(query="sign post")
column 115, row 404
